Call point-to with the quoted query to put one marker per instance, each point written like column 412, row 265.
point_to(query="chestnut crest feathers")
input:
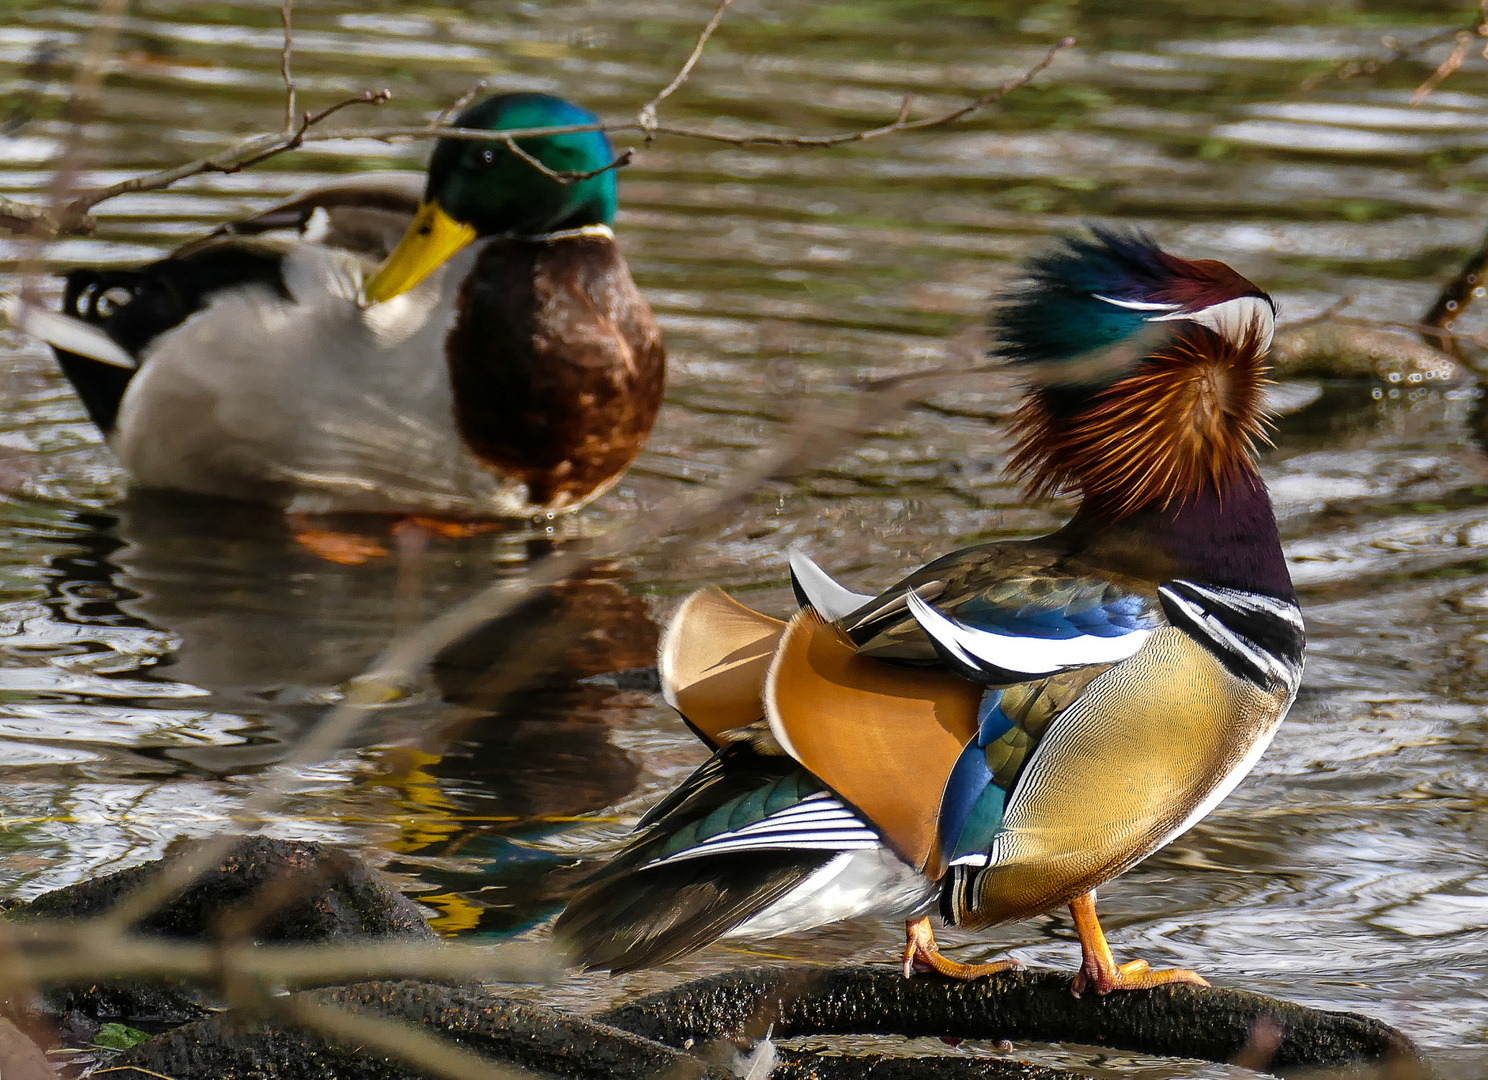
column 1145, row 372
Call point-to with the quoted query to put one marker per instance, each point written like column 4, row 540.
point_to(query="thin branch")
column 443, row 117
column 260, row 148
column 646, row 117
column 901, row 123
column 286, row 10
column 621, row 160
column 1447, row 67
column 59, row 951
column 1463, row 36
column 247, row 153
column 27, row 219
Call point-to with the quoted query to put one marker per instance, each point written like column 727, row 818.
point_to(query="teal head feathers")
column 1145, row 372
column 478, row 188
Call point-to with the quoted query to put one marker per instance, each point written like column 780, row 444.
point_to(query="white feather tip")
column 832, row 600
column 64, row 332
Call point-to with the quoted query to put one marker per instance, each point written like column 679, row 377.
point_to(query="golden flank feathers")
column 1151, row 746
column 1186, row 420
column 884, row 738
column 713, row 660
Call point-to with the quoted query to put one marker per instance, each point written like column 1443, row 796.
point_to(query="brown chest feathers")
column 556, row 364
column 1186, row 419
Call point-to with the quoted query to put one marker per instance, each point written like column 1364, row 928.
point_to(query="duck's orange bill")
column 429, row 242
column 713, row 660
column 883, row 737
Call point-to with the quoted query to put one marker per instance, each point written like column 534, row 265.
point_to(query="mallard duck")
column 1012, row 726
column 499, row 363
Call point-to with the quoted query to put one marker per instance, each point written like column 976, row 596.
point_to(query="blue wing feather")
column 1105, row 616
column 972, row 804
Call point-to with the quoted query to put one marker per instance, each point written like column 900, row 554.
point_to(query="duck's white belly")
column 312, row 402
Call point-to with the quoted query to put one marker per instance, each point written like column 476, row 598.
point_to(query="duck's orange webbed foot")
column 1099, row 969
column 342, row 548
column 920, row 951
column 449, row 528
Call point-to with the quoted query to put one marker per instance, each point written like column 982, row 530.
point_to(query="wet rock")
column 270, row 890
column 154, row 1004
column 795, row 1065
column 75, row 1029
column 543, row 1040
column 1328, row 350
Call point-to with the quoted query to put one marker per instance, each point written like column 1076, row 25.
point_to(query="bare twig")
column 444, row 115
column 245, row 154
column 65, row 950
column 621, row 160
column 27, row 219
column 646, row 117
column 1399, row 51
column 1435, row 327
column 1447, row 67
column 286, row 10
column 20, row 217
column 900, row 123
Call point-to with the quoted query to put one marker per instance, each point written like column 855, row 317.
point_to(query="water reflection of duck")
column 530, row 753
column 511, row 377
column 273, row 633
column 1016, row 723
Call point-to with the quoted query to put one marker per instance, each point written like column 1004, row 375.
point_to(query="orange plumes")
column 1186, row 418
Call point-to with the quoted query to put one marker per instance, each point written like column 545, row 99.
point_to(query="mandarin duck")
column 1014, row 725
column 499, row 363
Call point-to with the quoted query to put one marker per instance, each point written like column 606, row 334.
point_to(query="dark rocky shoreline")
column 282, row 892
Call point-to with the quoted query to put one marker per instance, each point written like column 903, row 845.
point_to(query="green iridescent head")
column 487, row 186
column 478, row 188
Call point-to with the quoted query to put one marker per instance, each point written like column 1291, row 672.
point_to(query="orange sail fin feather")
column 883, row 737
column 714, row 657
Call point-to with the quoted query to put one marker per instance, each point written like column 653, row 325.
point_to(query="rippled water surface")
column 156, row 652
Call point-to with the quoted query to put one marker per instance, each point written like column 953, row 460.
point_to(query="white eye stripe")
column 1234, row 320
column 1136, row 305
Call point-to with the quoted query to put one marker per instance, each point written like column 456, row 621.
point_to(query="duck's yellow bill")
column 433, row 237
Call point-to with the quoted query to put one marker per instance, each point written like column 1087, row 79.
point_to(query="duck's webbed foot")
column 921, row 953
column 1099, row 970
